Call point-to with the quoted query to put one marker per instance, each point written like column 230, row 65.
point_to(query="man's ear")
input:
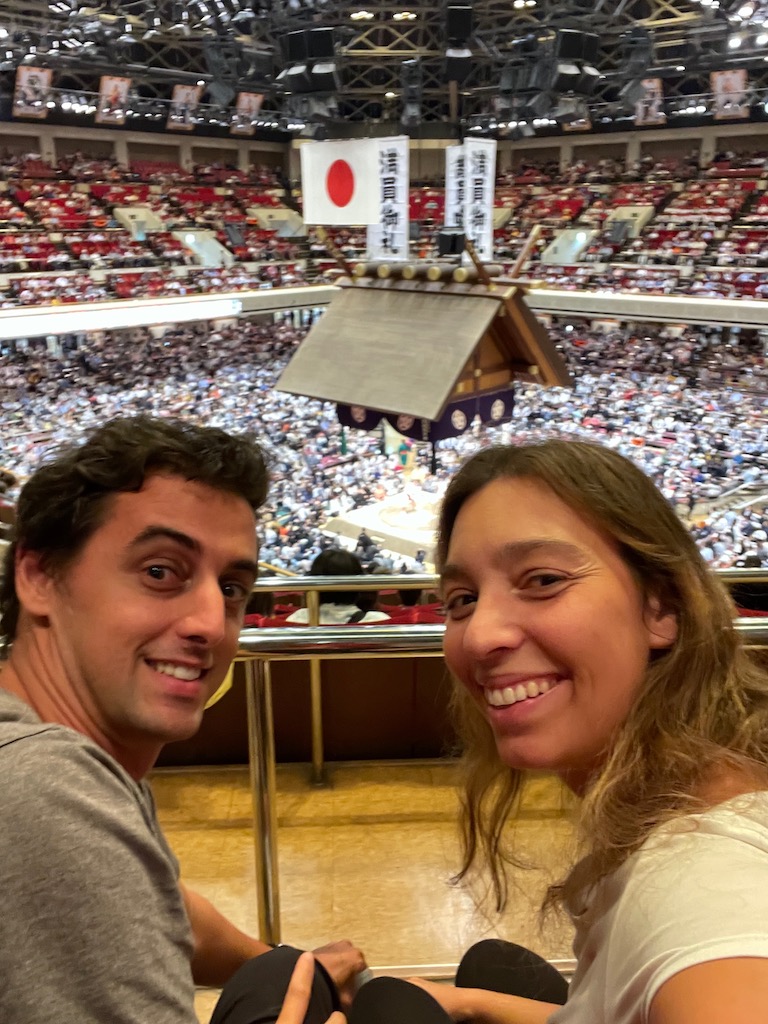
column 33, row 582
column 661, row 625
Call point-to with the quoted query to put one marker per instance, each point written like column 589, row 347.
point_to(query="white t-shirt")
column 696, row 891
column 336, row 614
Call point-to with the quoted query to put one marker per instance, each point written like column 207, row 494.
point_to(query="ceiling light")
column 734, row 42
column 762, row 39
column 404, row 16
column 361, row 16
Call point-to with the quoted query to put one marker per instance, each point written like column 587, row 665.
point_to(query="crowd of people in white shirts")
column 690, row 409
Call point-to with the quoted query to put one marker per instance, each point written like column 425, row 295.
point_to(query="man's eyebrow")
column 165, row 533
column 517, row 550
column 151, row 533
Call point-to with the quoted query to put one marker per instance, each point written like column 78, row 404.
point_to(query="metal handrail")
column 313, row 586
column 392, row 581
column 427, row 581
column 260, row 647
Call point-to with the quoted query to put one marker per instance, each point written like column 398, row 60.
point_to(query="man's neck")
column 28, row 675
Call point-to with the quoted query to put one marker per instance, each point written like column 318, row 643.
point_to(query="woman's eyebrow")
column 520, row 549
column 516, row 551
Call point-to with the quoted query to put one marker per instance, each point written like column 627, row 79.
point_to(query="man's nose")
column 204, row 619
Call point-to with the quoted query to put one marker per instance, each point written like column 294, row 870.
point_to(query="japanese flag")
column 340, row 182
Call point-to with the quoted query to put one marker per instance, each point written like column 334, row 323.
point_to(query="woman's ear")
column 661, row 625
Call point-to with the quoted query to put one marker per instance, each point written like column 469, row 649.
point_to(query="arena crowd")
column 691, row 409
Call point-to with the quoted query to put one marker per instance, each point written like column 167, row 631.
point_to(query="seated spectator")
column 752, row 597
column 342, row 605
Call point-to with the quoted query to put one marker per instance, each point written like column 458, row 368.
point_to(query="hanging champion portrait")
column 113, row 100
column 30, row 92
column 184, row 103
column 649, row 109
column 246, row 112
column 730, row 92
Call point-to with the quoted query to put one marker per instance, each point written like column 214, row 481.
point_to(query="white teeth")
column 177, row 671
column 512, row 694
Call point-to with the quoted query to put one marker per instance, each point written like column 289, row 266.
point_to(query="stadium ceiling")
column 233, row 45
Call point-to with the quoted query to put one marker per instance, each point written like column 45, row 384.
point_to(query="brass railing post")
column 316, row 696
column 261, row 747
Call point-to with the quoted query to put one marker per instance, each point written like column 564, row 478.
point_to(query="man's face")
column 145, row 621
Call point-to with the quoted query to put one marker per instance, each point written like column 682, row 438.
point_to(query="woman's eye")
column 459, row 604
column 544, row 580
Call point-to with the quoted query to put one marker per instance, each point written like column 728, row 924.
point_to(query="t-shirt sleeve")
column 700, row 896
column 93, row 927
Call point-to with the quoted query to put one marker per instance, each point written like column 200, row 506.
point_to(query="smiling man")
column 120, row 610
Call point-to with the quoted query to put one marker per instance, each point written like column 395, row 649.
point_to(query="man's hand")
column 343, row 961
column 298, row 993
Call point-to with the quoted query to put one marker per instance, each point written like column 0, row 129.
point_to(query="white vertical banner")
column 480, row 178
column 454, row 187
column 388, row 240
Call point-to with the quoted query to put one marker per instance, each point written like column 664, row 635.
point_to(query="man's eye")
column 158, row 572
column 235, row 591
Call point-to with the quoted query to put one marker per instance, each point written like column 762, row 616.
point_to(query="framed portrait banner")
column 649, row 109
column 31, row 91
column 730, row 94
column 185, row 100
column 246, row 112
column 113, row 100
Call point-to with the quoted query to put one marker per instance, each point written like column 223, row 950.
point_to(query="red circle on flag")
column 340, row 182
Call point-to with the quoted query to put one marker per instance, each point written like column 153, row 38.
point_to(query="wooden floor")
column 367, row 858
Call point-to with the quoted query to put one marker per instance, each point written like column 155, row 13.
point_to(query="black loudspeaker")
column 591, row 47
column 297, row 79
column 325, row 77
column 414, row 230
column 458, row 64
column 587, row 80
column 573, row 45
column 565, row 78
column 411, row 84
column 458, row 22
column 539, row 105
column 295, row 45
column 450, row 242
column 320, row 44
column 569, row 44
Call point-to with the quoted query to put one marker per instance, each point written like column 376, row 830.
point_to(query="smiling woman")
column 587, row 637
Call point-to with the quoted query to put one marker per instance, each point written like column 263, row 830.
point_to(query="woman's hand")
column 299, row 990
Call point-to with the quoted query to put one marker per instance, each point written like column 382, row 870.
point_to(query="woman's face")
column 546, row 627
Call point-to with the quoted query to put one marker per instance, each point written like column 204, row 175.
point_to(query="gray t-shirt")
column 92, row 921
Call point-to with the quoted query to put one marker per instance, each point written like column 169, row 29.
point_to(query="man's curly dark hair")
column 66, row 500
